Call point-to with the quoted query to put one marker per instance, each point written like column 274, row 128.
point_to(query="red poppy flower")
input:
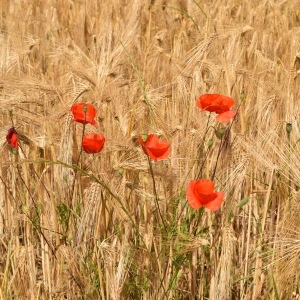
column 219, row 104
column 93, row 142
column 12, row 138
column 84, row 113
column 155, row 149
column 201, row 193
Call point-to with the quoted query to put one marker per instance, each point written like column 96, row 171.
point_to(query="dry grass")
column 94, row 232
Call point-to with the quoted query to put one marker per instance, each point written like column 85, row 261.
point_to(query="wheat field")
column 112, row 226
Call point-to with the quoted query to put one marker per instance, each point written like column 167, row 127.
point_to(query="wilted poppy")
column 155, row 149
column 93, row 142
column 201, row 193
column 12, row 138
column 219, row 104
column 84, row 113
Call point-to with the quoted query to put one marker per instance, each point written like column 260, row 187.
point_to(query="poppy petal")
column 192, row 199
column 14, row 141
column 84, row 113
column 226, row 116
column 205, row 198
column 225, row 102
column 216, row 203
column 215, row 103
column 93, row 143
column 162, row 151
column 200, row 193
column 94, row 123
column 204, row 187
column 152, row 140
column 12, row 138
column 207, row 100
column 155, row 149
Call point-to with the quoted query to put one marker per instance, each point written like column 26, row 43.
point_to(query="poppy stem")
column 199, row 218
column 36, row 223
column 202, row 165
column 83, row 131
column 288, row 130
column 141, row 82
column 155, row 191
column 75, row 170
column 224, row 139
column 199, row 153
column 201, row 148
column 218, row 156
column 78, row 159
column 10, row 113
column 80, row 152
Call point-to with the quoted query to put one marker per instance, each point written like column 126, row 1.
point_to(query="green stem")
column 83, row 131
column 155, row 191
column 289, row 129
column 205, row 15
column 218, row 156
column 10, row 113
column 93, row 177
column 183, row 12
column 141, row 82
column 199, row 152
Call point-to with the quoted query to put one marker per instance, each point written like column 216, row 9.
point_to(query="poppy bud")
column 144, row 137
column 288, row 128
column 121, row 171
column 230, row 215
column 25, row 208
column 219, row 133
column 145, row 179
column 242, row 96
column 210, row 143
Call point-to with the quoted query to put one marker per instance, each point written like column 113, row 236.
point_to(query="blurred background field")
column 93, row 231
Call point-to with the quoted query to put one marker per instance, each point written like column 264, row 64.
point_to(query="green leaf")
column 243, row 202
